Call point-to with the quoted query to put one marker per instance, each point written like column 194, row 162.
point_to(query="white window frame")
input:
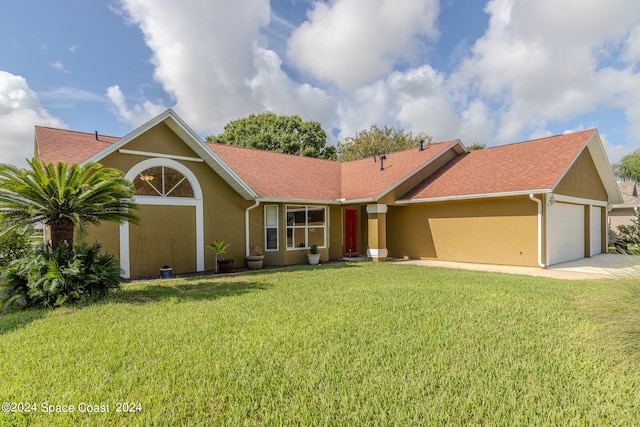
column 306, row 226
column 267, row 227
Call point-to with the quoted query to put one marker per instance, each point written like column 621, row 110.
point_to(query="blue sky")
column 493, row 72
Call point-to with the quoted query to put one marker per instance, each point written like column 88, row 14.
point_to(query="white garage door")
column 565, row 232
column 596, row 230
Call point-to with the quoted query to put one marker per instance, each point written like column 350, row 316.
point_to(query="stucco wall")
column 496, row 231
column 620, row 216
column 582, row 180
column 166, row 235
column 223, row 207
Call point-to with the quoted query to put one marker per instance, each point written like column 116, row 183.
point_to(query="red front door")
column 351, row 231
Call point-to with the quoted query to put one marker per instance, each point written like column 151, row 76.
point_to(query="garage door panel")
column 565, row 232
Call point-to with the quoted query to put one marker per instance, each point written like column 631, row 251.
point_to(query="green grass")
column 352, row 344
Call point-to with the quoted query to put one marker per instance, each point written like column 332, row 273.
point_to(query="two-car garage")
column 567, row 233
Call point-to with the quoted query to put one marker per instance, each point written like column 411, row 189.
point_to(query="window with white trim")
column 271, row 227
column 162, row 181
column 306, row 225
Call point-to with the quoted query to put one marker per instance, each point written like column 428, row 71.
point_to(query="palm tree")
column 64, row 197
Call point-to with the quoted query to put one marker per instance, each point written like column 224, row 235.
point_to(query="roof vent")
column 97, row 136
column 382, row 159
column 422, row 145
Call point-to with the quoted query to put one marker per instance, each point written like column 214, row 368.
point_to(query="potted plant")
column 255, row 258
column 314, row 256
column 219, row 247
column 165, row 272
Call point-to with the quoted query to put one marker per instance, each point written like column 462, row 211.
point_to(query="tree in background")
column 376, row 141
column 476, row 146
column 629, row 167
column 282, row 134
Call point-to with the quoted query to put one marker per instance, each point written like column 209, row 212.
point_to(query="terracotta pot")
column 225, row 266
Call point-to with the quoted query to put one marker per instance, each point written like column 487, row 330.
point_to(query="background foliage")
column 14, row 244
column 629, row 167
column 281, row 134
column 376, row 141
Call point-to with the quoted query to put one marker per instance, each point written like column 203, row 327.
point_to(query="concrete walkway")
column 609, row 266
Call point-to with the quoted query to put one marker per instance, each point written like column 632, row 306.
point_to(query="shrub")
column 630, row 233
column 54, row 277
column 14, row 244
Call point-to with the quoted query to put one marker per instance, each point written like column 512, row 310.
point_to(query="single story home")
column 624, row 213
column 533, row 203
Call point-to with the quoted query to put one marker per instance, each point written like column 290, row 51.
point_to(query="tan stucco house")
column 624, row 213
column 533, row 203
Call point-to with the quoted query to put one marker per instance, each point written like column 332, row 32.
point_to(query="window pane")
column 295, row 238
column 272, row 239
column 149, row 182
column 271, row 216
column 183, row 189
column 315, row 216
column 296, row 215
column 316, row 235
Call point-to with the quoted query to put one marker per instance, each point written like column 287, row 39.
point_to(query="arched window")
column 162, row 181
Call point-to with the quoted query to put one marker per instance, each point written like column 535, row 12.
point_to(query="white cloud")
column 541, row 67
column 20, row 111
column 530, row 70
column 351, row 42
column 140, row 114
column 274, row 91
column 59, row 65
column 212, row 59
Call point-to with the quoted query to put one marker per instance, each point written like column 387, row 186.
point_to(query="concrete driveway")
column 603, row 266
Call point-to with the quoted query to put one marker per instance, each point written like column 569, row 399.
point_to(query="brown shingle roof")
column 286, row 176
column 531, row 165
column 525, row 166
column 364, row 179
column 59, row 145
column 282, row 176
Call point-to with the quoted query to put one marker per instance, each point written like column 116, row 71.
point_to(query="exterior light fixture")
column 146, row 177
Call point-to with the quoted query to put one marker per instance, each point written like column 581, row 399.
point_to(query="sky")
column 490, row 72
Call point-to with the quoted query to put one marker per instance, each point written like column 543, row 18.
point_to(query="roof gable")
column 80, row 149
column 535, row 166
column 372, row 178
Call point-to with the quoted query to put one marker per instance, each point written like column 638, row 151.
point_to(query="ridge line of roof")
column 77, row 131
column 533, row 140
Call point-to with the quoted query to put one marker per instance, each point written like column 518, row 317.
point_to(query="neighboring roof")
column 526, row 167
column 59, row 145
column 629, row 191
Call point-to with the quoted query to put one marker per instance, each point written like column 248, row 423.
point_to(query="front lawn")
column 340, row 344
